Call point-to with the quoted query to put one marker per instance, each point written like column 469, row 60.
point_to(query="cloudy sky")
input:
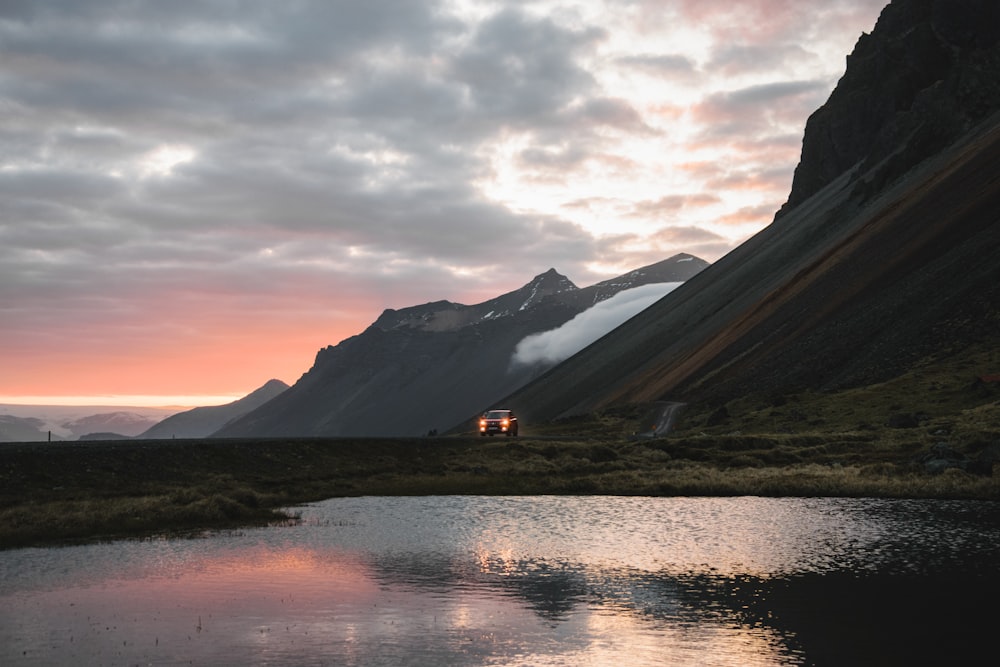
column 196, row 196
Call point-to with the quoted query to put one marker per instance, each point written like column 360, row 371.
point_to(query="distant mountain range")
column 41, row 423
column 202, row 422
column 47, row 425
column 886, row 254
column 121, row 423
column 419, row 369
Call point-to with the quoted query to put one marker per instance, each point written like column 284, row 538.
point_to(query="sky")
column 197, row 196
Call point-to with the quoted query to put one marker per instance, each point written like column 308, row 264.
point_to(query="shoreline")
column 79, row 491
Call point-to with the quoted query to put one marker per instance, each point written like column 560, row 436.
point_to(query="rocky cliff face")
column 922, row 78
column 422, row 368
column 448, row 316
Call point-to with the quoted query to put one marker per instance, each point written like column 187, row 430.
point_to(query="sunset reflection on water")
column 464, row 581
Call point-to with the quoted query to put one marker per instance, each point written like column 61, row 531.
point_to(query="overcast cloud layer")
column 196, row 196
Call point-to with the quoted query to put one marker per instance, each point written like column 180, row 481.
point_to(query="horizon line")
column 168, row 402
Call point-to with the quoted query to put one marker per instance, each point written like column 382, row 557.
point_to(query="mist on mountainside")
column 550, row 347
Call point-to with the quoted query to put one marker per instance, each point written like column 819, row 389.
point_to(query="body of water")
column 526, row 581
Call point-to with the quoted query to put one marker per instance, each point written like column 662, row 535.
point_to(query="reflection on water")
column 520, row 581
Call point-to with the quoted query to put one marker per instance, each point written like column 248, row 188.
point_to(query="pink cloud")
column 764, row 21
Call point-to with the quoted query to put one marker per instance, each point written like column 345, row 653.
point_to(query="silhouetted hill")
column 202, row 422
column 887, row 252
column 104, row 437
column 421, row 368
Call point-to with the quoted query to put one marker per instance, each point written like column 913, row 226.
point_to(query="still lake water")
column 526, row 581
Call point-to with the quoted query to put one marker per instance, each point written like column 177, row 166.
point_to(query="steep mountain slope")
column 422, row 368
column 924, row 77
column 887, row 256
column 202, row 422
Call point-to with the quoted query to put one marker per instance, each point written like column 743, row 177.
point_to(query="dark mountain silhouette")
column 886, row 253
column 202, row 422
column 104, row 436
column 422, row 368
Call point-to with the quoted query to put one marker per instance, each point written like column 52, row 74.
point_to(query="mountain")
column 37, row 423
column 202, row 422
column 120, row 422
column 103, row 436
column 887, row 252
column 421, row 368
column 22, row 429
column 925, row 76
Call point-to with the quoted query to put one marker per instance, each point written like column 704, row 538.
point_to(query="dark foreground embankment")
column 53, row 492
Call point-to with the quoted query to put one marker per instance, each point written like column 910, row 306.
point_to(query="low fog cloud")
column 551, row 347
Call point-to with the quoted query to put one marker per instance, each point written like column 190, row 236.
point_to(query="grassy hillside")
column 952, row 398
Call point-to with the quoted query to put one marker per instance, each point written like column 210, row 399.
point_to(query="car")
column 498, row 421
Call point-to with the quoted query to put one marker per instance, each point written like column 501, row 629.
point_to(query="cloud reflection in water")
column 484, row 580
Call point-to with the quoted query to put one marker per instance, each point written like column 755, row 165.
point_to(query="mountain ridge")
column 924, row 75
column 203, row 421
column 447, row 315
column 416, row 369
